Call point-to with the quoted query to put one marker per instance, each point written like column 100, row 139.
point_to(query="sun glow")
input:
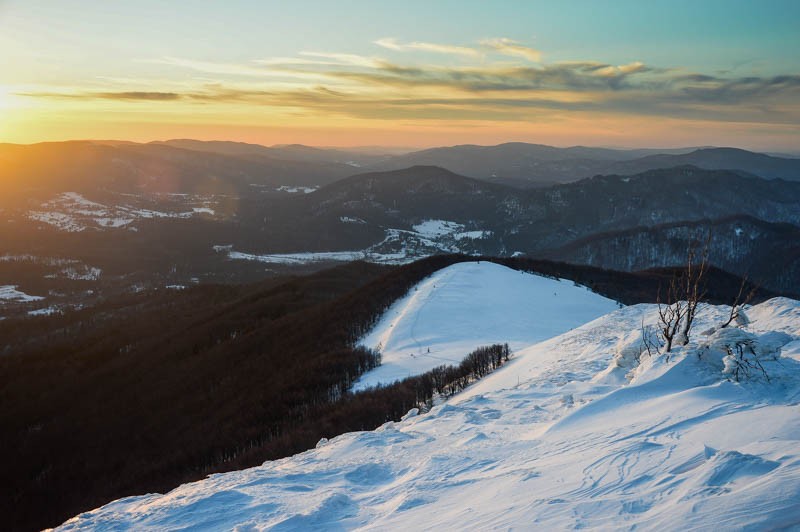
column 5, row 98
column 8, row 100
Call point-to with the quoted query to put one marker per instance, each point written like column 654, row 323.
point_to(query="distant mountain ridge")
column 759, row 164
column 157, row 213
column 159, row 168
column 524, row 164
column 529, row 165
column 767, row 253
column 289, row 152
column 516, row 164
column 532, row 220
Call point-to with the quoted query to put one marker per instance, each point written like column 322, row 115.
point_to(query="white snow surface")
column 471, row 304
column 10, row 293
column 296, row 189
column 472, row 235
column 46, row 311
column 436, row 228
column 298, row 258
column 571, row 433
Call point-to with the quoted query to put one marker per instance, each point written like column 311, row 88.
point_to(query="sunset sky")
column 348, row 73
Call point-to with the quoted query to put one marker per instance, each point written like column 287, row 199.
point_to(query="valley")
column 136, row 232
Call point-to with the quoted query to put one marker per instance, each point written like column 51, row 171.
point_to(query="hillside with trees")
column 151, row 390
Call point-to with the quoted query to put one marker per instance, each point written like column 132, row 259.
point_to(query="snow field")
column 399, row 246
column 471, row 304
column 71, row 212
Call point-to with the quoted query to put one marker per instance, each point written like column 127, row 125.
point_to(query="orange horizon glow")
column 609, row 131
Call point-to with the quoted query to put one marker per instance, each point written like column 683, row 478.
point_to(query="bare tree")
column 740, row 302
column 647, row 342
column 745, row 360
column 694, row 287
column 670, row 312
column 686, row 289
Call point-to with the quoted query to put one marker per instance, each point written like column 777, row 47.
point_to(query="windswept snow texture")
column 471, row 304
column 553, row 440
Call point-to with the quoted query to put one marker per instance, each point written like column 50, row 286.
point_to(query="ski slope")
column 471, row 304
column 571, row 433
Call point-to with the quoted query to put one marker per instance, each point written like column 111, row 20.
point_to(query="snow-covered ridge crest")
column 471, row 304
column 552, row 440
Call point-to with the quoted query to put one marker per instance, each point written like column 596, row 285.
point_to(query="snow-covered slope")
column 573, row 432
column 470, row 304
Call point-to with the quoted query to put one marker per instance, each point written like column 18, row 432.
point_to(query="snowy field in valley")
column 10, row 293
column 72, row 212
column 573, row 432
column 472, row 304
column 399, row 246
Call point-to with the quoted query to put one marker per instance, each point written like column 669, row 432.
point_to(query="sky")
column 412, row 73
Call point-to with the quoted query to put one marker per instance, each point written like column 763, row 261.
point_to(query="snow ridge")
column 470, row 304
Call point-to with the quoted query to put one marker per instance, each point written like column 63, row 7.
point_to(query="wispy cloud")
column 610, row 71
column 97, row 95
column 393, row 44
column 343, row 84
column 576, row 76
column 511, row 48
column 210, row 67
column 346, row 59
column 253, row 69
column 731, row 91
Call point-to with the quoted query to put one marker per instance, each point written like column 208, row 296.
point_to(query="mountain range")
column 84, row 219
column 526, row 165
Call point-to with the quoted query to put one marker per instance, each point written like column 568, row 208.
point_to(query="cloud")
column 733, row 91
column 621, row 70
column 464, row 51
column 295, row 61
column 559, row 76
column 139, row 95
column 94, row 95
column 255, row 69
column 511, row 48
column 346, row 59
column 210, row 67
column 352, row 85
column 453, row 102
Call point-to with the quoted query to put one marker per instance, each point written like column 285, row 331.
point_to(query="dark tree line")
column 449, row 380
